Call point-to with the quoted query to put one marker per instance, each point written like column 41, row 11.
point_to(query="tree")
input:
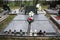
column 36, row 2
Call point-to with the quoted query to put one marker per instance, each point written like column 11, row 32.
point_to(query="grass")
column 5, row 22
column 29, row 38
column 0, row 9
column 44, row 6
column 15, row 7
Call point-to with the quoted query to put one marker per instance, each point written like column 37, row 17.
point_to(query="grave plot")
column 51, row 11
column 41, row 12
column 40, row 22
column 3, row 13
column 56, row 20
column 16, row 25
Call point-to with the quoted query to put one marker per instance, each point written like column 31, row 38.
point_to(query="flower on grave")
column 30, row 19
column 31, row 13
column 38, row 5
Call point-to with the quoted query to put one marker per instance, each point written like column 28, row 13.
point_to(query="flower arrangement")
column 30, row 18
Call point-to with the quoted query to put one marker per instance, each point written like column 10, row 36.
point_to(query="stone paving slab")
column 40, row 17
column 21, row 17
column 36, row 17
column 50, row 11
column 41, row 12
column 42, row 25
column 17, row 25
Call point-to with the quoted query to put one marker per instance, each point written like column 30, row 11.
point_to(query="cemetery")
column 30, row 18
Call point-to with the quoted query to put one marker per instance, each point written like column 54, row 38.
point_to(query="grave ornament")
column 38, row 6
column 30, row 18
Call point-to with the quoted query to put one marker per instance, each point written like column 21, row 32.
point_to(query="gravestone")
column 53, row 5
column 30, row 8
column 6, row 7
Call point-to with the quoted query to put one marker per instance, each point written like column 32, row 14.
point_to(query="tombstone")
column 30, row 8
column 52, row 5
column 6, row 7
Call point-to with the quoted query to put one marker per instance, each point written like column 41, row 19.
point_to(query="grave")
column 20, row 23
column 56, row 20
column 52, row 9
column 38, row 25
column 6, row 7
column 52, row 5
column 17, row 25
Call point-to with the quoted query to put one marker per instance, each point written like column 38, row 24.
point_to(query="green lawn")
column 5, row 22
